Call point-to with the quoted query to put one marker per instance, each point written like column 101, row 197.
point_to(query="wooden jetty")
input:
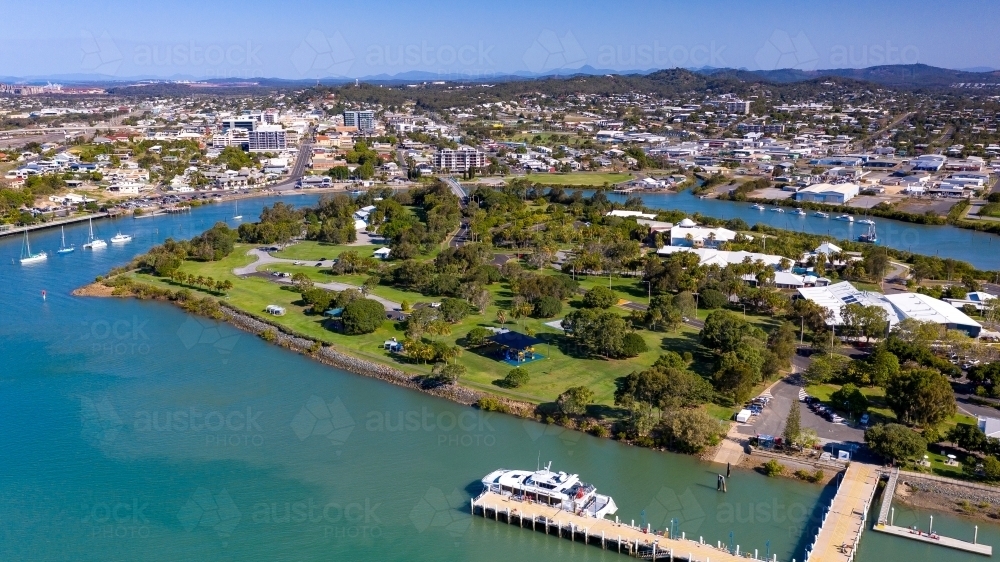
column 914, row 534
column 607, row 534
column 844, row 521
column 885, row 525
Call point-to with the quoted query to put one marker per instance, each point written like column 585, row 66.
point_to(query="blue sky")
column 311, row 39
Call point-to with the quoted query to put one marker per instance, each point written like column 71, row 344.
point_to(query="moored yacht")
column 94, row 243
column 778, row 210
column 800, row 212
column 120, row 238
column 27, row 256
column 757, row 206
column 845, row 218
column 557, row 489
column 821, row 215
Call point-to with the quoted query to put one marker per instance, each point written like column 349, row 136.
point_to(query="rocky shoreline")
column 324, row 353
column 975, row 501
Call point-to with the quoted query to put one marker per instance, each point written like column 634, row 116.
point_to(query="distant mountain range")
column 906, row 76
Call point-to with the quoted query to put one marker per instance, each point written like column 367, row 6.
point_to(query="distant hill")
column 901, row 75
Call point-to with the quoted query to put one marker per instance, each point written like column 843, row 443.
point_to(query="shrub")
column 452, row 373
column 601, row 431
column 547, row 307
column 517, row 376
column 492, row 404
column 599, row 297
column 269, row 335
column 773, row 468
column 633, row 345
column 712, row 299
column 363, row 316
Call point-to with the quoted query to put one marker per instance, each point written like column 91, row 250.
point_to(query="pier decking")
column 885, row 525
column 604, row 533
column 837, row 540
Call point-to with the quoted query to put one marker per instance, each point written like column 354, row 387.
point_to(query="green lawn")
column 315, row 251
column 877, row 407
column 560, row 369
column 595, row 179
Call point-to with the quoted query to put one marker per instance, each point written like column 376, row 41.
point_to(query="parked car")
column 865, row 419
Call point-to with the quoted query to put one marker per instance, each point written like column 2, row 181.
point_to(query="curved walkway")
column 264, row 258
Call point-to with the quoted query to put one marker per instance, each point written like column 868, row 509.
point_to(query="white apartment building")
column 268, row 138
column 460, row 160
column 363, row 120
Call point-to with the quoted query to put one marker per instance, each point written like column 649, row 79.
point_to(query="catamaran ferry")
column 556, row 489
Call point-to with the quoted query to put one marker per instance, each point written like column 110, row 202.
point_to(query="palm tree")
column 502, row 317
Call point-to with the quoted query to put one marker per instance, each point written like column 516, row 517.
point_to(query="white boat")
column 64, row 249
column 120, row 238
column 845, row 218
column 94, row 243
column 236, row 214
column 27, row 256
column 821, row 215
column 757, row 206
column 778, row 210
column 557, row 489
column 866, row 221
column 800, row 212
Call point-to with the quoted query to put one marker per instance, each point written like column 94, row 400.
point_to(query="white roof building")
column 976, row 298
column 699, row 235
column 636, row 214
column 989, row 426
column 838, row 193
column 898, row 307
column 722, row 258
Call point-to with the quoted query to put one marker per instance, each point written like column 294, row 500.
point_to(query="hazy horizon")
column 305, row 39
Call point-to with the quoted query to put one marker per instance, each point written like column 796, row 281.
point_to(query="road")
column 298, row 169
column 264, row 258
column 456, row 188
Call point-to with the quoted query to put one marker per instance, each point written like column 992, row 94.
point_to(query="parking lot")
column 771, row 420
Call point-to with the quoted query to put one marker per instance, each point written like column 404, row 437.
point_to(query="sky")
column 307, row 39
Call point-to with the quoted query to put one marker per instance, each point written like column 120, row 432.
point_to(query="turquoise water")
column 133, row 431
column 977, row 248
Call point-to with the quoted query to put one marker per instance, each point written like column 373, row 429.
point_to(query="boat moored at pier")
column 556, row 489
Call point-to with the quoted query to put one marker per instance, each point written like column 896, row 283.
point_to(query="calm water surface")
column 133, row 431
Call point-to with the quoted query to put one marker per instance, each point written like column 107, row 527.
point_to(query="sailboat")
column 237, row 216
column 870, row 237
column 94, row 243
column 64, row 249
column 27, row 256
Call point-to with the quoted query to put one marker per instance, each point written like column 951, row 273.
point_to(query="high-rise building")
column 268, row 138
column 363, row 120
column 460, row 160
column 245, row 122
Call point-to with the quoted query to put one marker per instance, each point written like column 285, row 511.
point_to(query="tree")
column 712, row 299
column 454, row 310
column 547, row 307
column 633, row 345
column 516, row 377
column 735, row 377
column 895, row 442
column 667, row 384
column 477, row 336
column 969, row 437
column 723, row 331
column 574, row 401
column 867, row 321
column 793, row 424
column 850, row 399
column 599, row 297
column 691, row 429
column 920, row 396
column 363, row 316
column 597, row 332
column 452, row 372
